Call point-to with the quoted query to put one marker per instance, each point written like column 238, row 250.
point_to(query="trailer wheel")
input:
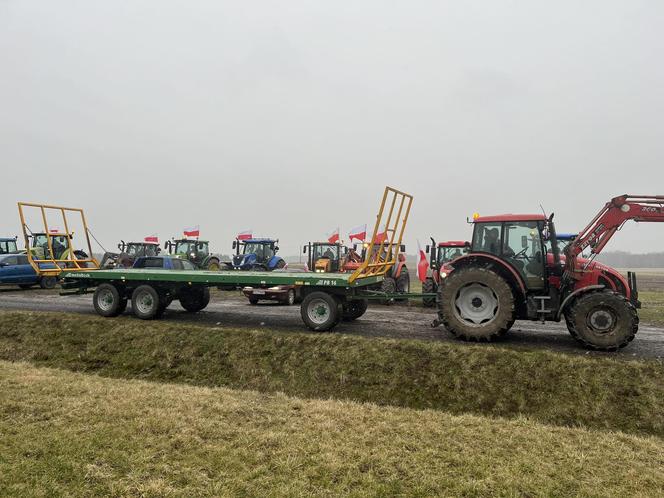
column 146, row 303
column 47, row 282
column 253, row 300
column 603, row 321
column 429, row 287
column 320, row 311
column 476, row 304
column 195, row 299
column 352, row 310
column 290, row 297
column 107, row 301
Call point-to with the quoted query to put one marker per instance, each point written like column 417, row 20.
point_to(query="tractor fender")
column 274, row 261
column 507, row 271
column 398, row 268
column 573, row 295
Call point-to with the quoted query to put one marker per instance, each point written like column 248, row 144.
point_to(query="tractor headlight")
column 443, row 274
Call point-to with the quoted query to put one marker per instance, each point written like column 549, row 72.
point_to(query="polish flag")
column 381, row 236
column 53, row 230
column 153, row 239
column 422, row 263
column 192, row 231
column 334, row 236
column 244, row 235
column 358, row 233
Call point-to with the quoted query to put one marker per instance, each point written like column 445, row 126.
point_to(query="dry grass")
column 554, row 388
column 80, row 435
column 652, row 307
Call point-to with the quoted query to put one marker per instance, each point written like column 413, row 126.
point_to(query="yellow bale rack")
column 382, row 254
column 50, row 265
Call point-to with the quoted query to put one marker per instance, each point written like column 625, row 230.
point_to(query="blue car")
column 163, row 263
column 15, row 269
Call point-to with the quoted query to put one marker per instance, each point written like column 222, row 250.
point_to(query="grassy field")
column 553, row 388
column 82, row 435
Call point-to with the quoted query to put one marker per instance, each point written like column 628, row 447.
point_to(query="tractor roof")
column 184, row 240
column 8, row 239
column 453, row 243
column 145, row 242
column 510, row 217
column 258, row 241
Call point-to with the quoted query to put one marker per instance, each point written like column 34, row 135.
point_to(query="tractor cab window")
column 486, row 238
column 269, row 251
column 202, row 248
column 133, row 250
column 184, row 248
column 7, row 247
column 151, row 249
column 523, row 249
column 326, row 251
column 446, row 254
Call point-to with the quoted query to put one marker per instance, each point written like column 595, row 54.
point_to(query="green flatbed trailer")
column 328, row 298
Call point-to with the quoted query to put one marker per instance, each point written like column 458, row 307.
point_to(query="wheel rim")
column 318, row 311
column 105, row 300
column 291, row 297
column 144, row 303
column 476, row 303
column 602, row 320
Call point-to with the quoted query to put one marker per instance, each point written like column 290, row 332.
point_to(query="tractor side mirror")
column 402, row 248
column 120, row 246
column 427, row 249
column 304, row 250
column 234, row 244
column 276, row 248
column 524, row 241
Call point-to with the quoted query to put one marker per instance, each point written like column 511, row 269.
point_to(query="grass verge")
column 81, row 435
column 652, row 307
column 456, row 377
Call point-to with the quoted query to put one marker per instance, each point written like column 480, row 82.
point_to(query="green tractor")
column 60, row 243
column 194, row 250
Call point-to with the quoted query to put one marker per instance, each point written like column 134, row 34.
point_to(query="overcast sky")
column 289, row 118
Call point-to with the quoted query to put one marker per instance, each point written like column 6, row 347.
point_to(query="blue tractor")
column 8, row 245
column 256, row 255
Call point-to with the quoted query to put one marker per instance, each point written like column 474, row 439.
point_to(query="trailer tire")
column 476, row 304
column 352, row 310
column 253, row 300
column 146, row 303
column 320, row 311
column 195, row 299
column 47, row 282
column 604, row 320
column 429, row 287
column 107, row 301
column 290, row 297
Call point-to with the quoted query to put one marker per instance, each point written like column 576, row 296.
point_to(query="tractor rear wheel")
column 603, row 321
column 429, row 287
column 352, row 310
column 320, row 311
column 195, row 299
column 476, row 304
column 108, row 302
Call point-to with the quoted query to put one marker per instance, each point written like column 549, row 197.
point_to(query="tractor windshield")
column 8, row 247
column 446, row 254
column 185, row 247
column 329, row 251
column 137, row 249
column 60, row 244
column 263, row 251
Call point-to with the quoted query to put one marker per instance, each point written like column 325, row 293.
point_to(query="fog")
column 289, row 118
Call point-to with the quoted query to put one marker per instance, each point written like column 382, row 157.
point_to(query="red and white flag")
column 358, row 233
column 380, row 236
column 244, row 235
column 153, row 239
column 333, row 236
column 53, row 230
column 192, row 231
column 422, row 263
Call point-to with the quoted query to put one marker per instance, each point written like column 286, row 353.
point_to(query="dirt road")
column 403, row 322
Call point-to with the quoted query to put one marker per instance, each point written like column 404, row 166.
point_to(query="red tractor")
column 439, row 256
column 515, row 271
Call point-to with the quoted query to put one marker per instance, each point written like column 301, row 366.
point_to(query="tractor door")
column 523, row 248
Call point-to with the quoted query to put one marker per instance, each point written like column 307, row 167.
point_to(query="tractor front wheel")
column 429, row 287
column 603, row 321
column 320, row 311
column 213, row 265
column 476, row 304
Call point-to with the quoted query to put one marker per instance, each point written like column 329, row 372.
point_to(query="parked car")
column 285, row 294
column 15, row 269
column 164, row 262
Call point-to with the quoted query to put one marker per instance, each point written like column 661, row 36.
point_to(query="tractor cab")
column 59, row 242
column 139, row 249
column 8, row 245
column 256, row 254
column 444, row 252
column 194, row 250
column 325, row 257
